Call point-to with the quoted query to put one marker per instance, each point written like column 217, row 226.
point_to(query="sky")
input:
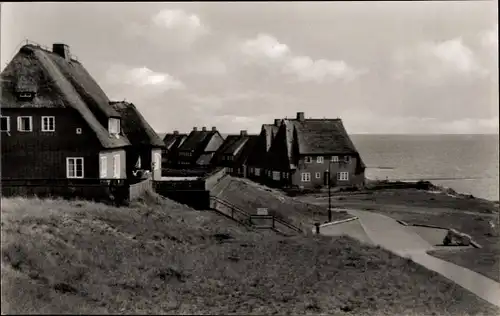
column 383, row 67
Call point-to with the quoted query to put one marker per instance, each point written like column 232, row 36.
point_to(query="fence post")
column 273, row 221
column 317, row 228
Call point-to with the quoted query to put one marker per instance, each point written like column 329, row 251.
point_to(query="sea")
column 466, row 163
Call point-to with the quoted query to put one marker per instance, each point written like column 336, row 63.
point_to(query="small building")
column 256, row 159
column 170, row 153
column 146, row 147
column 234, row 152
column 199, row 148
column 56, row 122
column 304, row 149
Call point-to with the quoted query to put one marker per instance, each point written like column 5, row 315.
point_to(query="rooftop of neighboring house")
column 175, row 138
column 234, row 145
column 135, row 126
column 199, row 140
column 40, row 78
column 318, row 136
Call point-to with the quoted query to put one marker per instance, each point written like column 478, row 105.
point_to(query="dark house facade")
column 256, row 159
column 304, row 149
column 56, row 122
column 170, row 153
column 199, row 148
column 234, row 152
column 146, row 147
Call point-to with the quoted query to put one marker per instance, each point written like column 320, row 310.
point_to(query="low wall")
column 214, row 177
column 175, row 185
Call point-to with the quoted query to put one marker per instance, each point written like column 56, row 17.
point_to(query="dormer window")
column 25, row 96
column 114, row 126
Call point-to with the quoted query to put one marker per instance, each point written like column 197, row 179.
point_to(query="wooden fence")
column 138, row 189
column 102, row 190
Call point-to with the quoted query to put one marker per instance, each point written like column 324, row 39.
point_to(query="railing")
column 138, row 189
column 243, row 217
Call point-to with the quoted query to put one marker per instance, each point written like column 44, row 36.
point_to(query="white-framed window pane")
column 48, row 123
column 74, row 167
column 347, row 159
column 343, row 176
column 114, row 126
column 24, row 124
column 276, row 175
column 335, row 159
column 308, row 159
column 4, row 123
column 158, row 161
column 116, row 166
column 318, row 175
column 104, row 167
column 306, row 177
column 319, row 159
column 257, row 171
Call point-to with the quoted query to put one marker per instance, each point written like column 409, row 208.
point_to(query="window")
column 74, row 167
column 319, row 159
column 276, row 175
column 48, row 123
column 318, row 175
column 285, row 175
column 305, row 177
column 26, row 95
column 104, row 167
column 78, row 130
column 157, row 161
column 4, row 124
column 343, row 176
column 257, row 171
column 335, row 159
column 24, row 124
column 347, row 159
column 114, row 126
column 116, row 166
column 308, row 159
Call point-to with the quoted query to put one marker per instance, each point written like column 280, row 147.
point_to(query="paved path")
column 403, row 241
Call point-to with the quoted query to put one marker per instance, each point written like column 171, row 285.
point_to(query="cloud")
column 266, row 49
column 185, row 28
column 489, row 38
column 436, row 62
column 142, row 77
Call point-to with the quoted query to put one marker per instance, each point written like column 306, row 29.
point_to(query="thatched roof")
column 135, row 126
column 173, row 140
column 58, row 83
column 311, row 137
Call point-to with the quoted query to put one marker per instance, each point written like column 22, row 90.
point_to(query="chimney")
column 61, row 50
column 243, row 133
column 204, row 129
column 195, row 129
column 214, row 129
column 176, row 132
column 300, row 116
column 277, row 122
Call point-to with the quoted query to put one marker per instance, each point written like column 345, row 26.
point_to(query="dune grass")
column 160, row 257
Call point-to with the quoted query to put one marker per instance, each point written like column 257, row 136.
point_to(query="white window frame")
column 49, row 118
column 74, row 160
column 19, row 118
column 308, row 159
column 347, row 159
column 104, row 167
column 305, row 177
column 116, row 166
column 114, row 126
column 157, row 161
column 276, row 175
column 285, row 175
column 257, row 171
column 317, row 175
column 343, row 176
column 319, row 159
column 8, row 123
column 335, row 159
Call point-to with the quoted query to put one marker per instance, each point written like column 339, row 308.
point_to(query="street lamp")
column 328, row 183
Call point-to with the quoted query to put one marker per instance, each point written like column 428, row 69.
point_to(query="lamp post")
column 328, row 183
